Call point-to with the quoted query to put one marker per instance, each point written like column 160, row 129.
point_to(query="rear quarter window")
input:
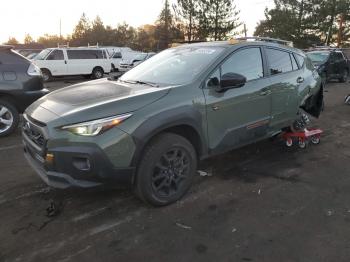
column 85, row 54
column 279, row 61
column 300, row 59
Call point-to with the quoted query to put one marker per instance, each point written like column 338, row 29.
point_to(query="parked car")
column 150, row 127
column 90, row 62
column 127, row 64
column 31, row 56
column 122, row 54
column 330, row 64
column 20, row 85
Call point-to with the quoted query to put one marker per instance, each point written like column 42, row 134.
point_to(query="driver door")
column 241, row 115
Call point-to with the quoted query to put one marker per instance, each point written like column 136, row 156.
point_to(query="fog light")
column 81, row 163
column 49, row 158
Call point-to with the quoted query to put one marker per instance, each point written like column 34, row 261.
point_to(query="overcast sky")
column 38, row 17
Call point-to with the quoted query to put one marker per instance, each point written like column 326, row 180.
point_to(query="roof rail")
column 267, row 39
column 63, row 46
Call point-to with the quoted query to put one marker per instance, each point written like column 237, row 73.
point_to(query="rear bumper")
column 26, row 98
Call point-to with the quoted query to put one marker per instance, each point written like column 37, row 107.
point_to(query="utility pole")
column 60, row 29
column 245, row 30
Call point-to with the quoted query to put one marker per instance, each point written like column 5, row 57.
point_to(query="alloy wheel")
column 171, row 172
column 6, row 119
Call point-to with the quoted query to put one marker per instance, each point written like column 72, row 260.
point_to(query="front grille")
column 34, row 133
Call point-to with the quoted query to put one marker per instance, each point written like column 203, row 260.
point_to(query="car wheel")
column 166, row 170
column 97, row 73
column 302, row 143
column 315, row 140
column 9, row 118
column 46, row 75
column 344, row 77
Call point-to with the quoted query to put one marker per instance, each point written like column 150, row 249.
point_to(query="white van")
column 123, row 53
column 138, row 58
column 93, row 62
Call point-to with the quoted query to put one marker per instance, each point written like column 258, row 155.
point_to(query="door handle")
column 215, row 107
column 300, row 80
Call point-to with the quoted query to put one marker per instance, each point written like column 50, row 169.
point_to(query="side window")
column 246, row 62
column 279, row 61
column 294, row 63
column 85, row 54
column 300, row 60
column 56, row 55
column 339, row 57
column 117, row 55
column 309, row 64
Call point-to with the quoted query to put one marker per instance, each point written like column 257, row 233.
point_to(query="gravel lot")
column 263, row 202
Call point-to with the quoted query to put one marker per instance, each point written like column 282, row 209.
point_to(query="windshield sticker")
column 205, row 51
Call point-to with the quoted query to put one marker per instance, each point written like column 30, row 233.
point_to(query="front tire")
column 9, row 118
column 166, row 170
column 47, row 76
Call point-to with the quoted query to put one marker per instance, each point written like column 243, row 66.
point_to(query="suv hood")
column 97, row 99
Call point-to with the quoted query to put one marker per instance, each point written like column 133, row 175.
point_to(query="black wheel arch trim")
column 166, row 120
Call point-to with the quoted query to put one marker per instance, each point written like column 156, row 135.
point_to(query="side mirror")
column 213, row 82
column 231, row 80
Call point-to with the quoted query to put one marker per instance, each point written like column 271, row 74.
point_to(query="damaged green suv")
column 150, row 127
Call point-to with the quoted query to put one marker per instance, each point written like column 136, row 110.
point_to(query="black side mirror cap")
column 231, row 80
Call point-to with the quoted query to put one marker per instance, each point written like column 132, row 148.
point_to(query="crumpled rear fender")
column 314, row 104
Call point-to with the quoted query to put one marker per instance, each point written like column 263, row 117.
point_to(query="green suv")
column 150, row 127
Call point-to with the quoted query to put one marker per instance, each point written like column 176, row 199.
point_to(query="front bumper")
column 71, row 164
column 64, row 172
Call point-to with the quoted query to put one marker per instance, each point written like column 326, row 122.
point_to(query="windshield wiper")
column 140, row 82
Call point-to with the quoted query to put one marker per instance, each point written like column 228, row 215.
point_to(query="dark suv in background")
column 20, row 85
column 330, row 64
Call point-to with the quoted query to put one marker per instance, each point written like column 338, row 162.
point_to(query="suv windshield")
column 318, row 57
column 173, row 66
column 42, row 55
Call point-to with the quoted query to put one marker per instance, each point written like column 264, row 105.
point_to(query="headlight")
column 33, row 70
column 95, row 127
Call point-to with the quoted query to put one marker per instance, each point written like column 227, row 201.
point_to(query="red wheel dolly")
column 303, row 137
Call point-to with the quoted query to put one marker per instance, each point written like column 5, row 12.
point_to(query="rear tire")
column 97, row 73
column 9, row 118
column 166, row 170
column 344, row 77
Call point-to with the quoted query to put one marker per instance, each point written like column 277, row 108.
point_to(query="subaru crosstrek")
column 150, row 127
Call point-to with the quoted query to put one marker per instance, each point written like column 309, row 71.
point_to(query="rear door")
column 285, row 77
column 56, row 62
column 341, row 63
column 241, row 115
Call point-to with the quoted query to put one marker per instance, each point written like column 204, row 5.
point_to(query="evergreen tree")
column 305, row 22
column 12, row 41
column 187, row 11
column 218, row 19
column 28, row 39
column 81, row 31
